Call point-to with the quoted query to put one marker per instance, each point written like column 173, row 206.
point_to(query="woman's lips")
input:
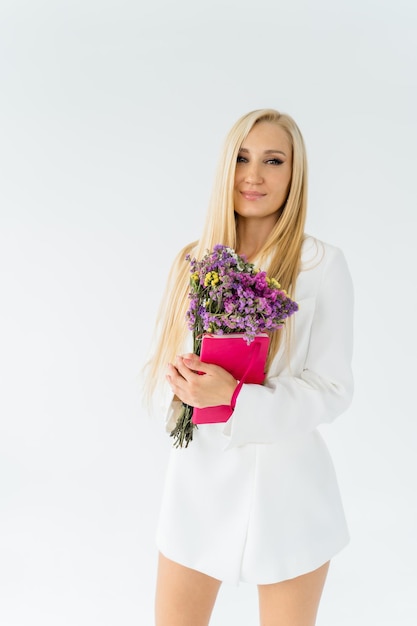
column 252, row 195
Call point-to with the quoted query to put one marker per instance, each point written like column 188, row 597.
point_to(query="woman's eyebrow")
column 265, row 151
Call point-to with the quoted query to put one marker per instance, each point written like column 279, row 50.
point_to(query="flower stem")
column 183, row 431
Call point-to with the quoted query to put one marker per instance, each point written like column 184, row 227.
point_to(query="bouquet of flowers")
column 229, row 295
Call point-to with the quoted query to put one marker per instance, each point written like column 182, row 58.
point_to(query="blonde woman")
column 255, row 499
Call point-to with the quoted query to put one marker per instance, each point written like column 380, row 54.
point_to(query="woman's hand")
column 214, row 387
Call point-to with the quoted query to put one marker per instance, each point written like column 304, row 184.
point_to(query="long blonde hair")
column 281, row 251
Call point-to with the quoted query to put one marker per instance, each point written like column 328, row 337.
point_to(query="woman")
column 256, row 499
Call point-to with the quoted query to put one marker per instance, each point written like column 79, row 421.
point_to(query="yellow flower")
column 271, row 282
column 211, row 278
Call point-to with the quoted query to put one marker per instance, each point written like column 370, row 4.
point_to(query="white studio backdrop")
column 112, row 118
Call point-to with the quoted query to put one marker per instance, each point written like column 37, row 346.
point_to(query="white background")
column 112, row 117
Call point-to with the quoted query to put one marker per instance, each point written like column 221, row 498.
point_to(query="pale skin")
column 185, row 597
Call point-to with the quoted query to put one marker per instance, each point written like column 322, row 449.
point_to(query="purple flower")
column 241, row 299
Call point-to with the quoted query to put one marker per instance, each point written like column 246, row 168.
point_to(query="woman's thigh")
column 293, row 602
column 184, row 597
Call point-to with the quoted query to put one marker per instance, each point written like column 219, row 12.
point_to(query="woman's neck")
column 252, row 235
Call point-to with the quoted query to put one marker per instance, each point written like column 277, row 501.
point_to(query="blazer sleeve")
column 289, row 405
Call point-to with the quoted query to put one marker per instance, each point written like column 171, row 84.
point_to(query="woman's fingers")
column 186, row 367
column 180, row 378
column 215, row 387
column 193, row 362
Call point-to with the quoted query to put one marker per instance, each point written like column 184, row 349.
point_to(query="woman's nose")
column 253, row 174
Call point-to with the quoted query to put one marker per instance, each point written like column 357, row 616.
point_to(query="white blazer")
column 256, row 499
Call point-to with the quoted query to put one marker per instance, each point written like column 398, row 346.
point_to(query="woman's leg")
column 184, row 597
column 292, row 602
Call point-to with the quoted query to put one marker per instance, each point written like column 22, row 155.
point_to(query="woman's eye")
column 241, row 159
column 275, row 161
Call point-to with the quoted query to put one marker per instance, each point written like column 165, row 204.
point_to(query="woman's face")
column 263, row 172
